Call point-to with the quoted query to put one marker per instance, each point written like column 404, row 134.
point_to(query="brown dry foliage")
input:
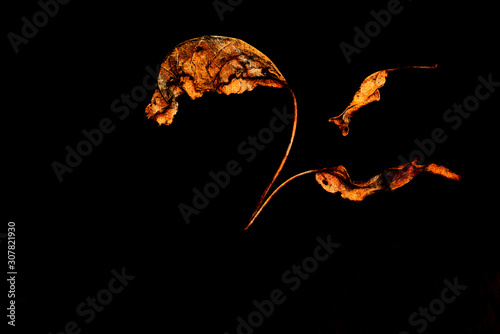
column 228, row 65
column 336, row 179
column 210, row 64
column 224, row 65
column 367, row 93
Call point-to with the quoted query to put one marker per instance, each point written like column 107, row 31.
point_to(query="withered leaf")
column 219, row 64
column 368, row 92
column 336, row 179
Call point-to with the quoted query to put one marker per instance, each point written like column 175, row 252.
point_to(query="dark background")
column 119, row 207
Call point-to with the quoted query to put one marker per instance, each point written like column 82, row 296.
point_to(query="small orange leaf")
column 367, row 93
column 336, row 179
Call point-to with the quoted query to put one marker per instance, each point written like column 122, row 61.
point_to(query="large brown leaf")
column 368, row 92
column 219, row 64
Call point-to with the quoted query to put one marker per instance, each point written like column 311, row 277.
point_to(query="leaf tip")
column 340, row 123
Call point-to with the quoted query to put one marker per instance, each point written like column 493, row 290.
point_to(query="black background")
column 119, row 207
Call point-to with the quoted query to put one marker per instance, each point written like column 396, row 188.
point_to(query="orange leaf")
column 336, row 179
column 367, row 93
column 219, row 64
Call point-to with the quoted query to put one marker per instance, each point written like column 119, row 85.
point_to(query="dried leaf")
column 336, row 179
column 367, row 93
column 210, row 64
column 219, row 64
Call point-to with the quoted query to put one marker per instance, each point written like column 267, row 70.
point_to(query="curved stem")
column 256, row 213
column 407, row 67
column 294, row 127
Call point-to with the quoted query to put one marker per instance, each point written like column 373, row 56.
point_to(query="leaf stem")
column 257, row 212
column 294, row 127
column 408, row 67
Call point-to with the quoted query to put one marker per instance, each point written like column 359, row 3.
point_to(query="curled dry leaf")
column 210, row 64
column 336, row 179
column 224, row 65
column 367, row 93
